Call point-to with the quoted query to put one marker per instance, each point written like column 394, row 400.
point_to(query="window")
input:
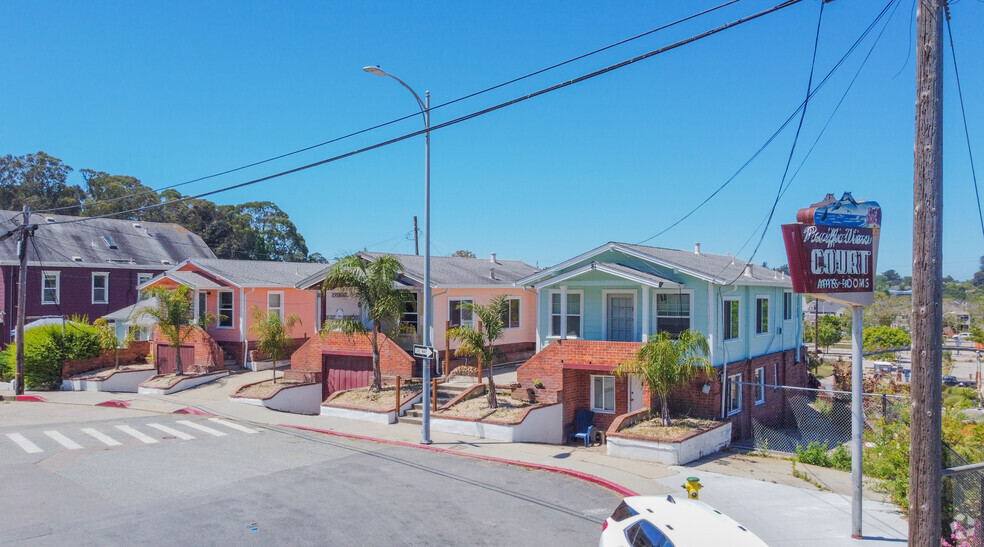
column 573, row 314
column 202, row 305
column 100, row 287
column 225, row 309
column 141, row 279
column 603, row 393
column 672, row 313
column 275, row 303
column 734, row 394
column 109, row 242
column 787, row 306
column 459, row 315
column 760, row 385
column 732, row 319
column 646, row 534
column 410, row 311
column 762, row 315
column 510, row 317
column 50, row 282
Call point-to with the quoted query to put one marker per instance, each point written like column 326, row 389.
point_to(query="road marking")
column 105, row 439
column 136, row 434
column 63, row 440
column 22, row 442
column 200, row 427
column 233, row 425
column 179, row 434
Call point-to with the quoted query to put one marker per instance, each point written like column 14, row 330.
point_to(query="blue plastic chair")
column 582, row 426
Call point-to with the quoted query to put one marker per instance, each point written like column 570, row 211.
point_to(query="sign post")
column 832, row 253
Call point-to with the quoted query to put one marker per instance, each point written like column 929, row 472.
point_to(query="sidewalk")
column 760, row 493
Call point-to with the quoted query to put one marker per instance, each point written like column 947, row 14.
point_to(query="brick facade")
column 511, row 353
column 136, row 352
column 208, row 354
column 306, row 362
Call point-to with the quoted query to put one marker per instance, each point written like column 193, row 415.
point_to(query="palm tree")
column 666, row 363
column 480, row 342
column 174, row 315
column 274, row 334
column 108, row 340
column 372, row 283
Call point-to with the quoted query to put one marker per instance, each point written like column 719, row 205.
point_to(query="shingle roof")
column 454, row 270
column 260, row 273
column 130, row 316
column 91, row 243
column 721, row 268
column 652, row 278
column 192, row 279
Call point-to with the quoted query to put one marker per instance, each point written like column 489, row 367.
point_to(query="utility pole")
column 416, row 237
column 925, row 437
column 26, row 231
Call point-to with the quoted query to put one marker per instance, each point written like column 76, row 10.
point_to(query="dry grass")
column 381, row 401
column 107, row 372
column 681, row 427
column 477, row 408
column 265, row 389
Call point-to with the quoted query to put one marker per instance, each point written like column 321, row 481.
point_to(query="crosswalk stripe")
column 200, row 427
column 63, row 440
column 136, row 434
column 233, row 425
column 22, row 442
column 102, row 437
column 179, row 434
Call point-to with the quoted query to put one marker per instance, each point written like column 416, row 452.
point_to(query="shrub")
column 840, row 458
column 814, row 454
column 45, row 348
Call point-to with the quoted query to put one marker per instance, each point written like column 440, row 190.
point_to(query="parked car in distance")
column 953, row 381
column 667, row 521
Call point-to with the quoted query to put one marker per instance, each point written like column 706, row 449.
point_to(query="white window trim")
column 758, row 384
column 105, row 287
column 792, row 306
column 655, row 307
column 592, row 394
column 768, row 313
column 520, row 304
column 143, row 277
column 471, row 299
column 218, row 310
column 604, row 311
column 563, row 322
column 732, row 412
column 282, row 304
column 57, row 274
column 724, row 310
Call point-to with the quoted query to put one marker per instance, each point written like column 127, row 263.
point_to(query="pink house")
column 231, row 290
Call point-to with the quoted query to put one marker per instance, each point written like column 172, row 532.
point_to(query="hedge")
column 45, row 348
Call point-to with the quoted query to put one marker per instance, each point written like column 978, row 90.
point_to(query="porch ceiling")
column 617, row 270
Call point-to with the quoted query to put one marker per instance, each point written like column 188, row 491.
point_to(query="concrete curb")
column 625, row 492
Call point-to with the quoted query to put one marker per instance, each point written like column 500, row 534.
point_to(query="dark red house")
column 88, row 268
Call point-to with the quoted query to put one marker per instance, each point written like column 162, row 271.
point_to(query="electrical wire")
column 408, row 116
column 458, row 120
column 963, row 112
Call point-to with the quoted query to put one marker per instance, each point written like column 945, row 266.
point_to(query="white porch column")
column 539, row 319
column 198, row 312
column 563, row 312
column 645, row 313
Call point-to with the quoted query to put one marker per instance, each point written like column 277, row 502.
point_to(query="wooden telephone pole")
column 925, row 437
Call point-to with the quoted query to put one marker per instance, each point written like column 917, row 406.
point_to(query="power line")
column 408, row 116
column 458, row 120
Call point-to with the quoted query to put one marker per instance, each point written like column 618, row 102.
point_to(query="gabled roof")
column 98, row 242
column 826, row 307
column 254, row 273
column 130, row 315
column 716, row 269
column 454, row 271
column 618, row 270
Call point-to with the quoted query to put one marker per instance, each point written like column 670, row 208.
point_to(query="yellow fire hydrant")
column 693, row 486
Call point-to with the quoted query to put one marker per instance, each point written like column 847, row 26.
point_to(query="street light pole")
column 428, row 312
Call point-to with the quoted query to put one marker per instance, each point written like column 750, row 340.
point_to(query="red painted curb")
column 190, row 410
column 115, row 403
column 570, row 472
column 32, row 398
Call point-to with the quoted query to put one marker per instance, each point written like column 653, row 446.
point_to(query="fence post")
column 884, row 407
column 434, row 391
column 398, row 395
column 447, row 346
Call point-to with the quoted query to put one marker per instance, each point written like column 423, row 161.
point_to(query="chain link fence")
column 961, row 494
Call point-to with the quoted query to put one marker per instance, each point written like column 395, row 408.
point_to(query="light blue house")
column 599, row 307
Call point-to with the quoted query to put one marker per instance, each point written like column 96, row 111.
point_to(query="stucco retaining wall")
column 183, row 384
column 304, row 399
column 366, row 416
column 119, row 382
column 671, row 453
column 539, row 426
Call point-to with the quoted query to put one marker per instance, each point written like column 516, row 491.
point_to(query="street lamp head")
column 375, row 70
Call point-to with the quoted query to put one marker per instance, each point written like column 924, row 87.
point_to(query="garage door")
column 345, row 372
column 167, row 362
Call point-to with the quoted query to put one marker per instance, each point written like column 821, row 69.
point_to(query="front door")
column 621, row 318
column 635, row 392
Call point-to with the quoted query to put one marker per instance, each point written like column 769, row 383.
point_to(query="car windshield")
column 646, row 534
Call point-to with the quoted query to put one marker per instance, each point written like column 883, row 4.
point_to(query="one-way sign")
column 424, row 352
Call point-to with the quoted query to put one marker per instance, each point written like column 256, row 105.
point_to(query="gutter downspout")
column 242, row 324
column 536, row 307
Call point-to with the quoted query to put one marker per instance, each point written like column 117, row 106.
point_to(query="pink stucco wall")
column 526, row 333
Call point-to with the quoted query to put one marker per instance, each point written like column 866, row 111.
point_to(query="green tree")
column 884, row 338
column 174, row 315
column 108, row 340
column 480, row 342
column 666, row 363
column 885, row 310
column 830, row 331
column 372, row 283
column 273, row 334
column 463, row 254
column 106, row 194
column 37, row 180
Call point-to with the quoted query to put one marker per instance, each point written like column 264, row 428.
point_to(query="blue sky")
column 169, row 92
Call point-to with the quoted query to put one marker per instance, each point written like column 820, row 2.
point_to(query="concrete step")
column 411, row 420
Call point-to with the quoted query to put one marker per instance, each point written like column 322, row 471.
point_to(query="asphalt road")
column 85, row 476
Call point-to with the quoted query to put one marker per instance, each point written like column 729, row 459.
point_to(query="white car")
column 668, row 521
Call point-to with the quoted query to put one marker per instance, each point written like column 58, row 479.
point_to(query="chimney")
column 697, row 248
column 493, row 259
